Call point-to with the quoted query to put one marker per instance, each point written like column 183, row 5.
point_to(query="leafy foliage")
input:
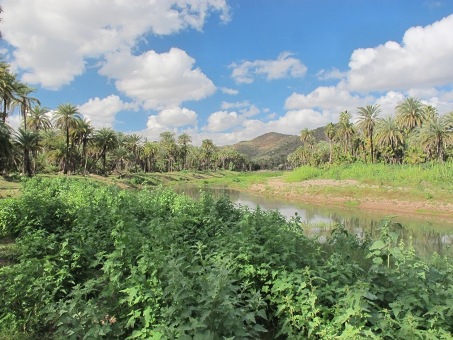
column 99, row 262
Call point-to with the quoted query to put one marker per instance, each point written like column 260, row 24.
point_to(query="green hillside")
column 272, row 149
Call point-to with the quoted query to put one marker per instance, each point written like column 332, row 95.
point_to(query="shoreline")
column 340, row 193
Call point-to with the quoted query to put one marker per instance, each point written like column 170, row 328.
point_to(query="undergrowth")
column 437, row 174
column 98, row 262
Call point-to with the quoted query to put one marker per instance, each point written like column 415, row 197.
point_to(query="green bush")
column 97, row 262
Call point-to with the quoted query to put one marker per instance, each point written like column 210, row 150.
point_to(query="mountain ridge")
column 271, row 149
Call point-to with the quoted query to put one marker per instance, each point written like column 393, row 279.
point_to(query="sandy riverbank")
column 350, row 193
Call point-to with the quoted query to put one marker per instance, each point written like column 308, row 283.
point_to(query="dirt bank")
column 350, row 193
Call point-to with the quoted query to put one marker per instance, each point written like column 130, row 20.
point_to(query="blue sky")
column 229, row 70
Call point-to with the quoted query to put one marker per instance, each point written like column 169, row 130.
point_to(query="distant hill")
column 272, row 149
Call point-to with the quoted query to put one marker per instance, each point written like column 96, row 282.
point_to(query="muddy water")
column 427, row 235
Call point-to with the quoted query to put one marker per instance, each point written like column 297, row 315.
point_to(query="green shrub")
column 97, row 262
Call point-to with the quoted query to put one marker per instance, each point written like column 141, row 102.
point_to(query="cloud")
column 284, row 66
column 235, row 105
column 158, row 81
column 334, row 98
column 102, row 112
column 229, row 91
column 176, row 117
column 54, row 39
column 423, row 59
column 332, row 74
column 222, row 121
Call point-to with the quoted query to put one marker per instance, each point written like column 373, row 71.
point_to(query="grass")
column 9, row 187
column 434, row 175
column 241, row 180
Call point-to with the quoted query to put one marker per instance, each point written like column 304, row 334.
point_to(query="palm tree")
column 430, row 112
column 168, row 148
column 106, row 140
column 307, row 137
column 8, row 85
column 65, row 119
column 27, row 141
column 23, row 100
column 388, row 134
column 345, row 130
column 449, row 120
column 208, row 150
column 330, row 132
column 150, row 152
column 82, row 133
column 184, row 140
column 366, row 121
column 410, row 114
column 133, row 143
column 6, row 147
column 38, row 118
column 434, row 135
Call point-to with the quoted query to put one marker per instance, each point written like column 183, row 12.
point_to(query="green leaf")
column 377, row 260
column 379, row 244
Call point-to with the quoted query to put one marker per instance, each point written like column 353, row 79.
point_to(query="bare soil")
column 353, row 193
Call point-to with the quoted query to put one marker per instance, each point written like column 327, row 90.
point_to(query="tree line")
column 415, row 133
column 62, row 140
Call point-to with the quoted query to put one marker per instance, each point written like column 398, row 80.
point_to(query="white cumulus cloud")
column 334, row 98
column 423, row 59
column 223, row 120
column 158, row 80
column 284, row 66
column 53, row 39
column 102, row 112
column 176, row 117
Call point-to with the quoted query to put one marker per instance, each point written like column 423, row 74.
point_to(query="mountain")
column 272, row 149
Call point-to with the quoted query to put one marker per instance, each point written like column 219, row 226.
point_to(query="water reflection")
column 427, row 236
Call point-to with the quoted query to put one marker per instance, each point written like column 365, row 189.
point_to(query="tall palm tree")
column 208, row 150
column 366, row 121
column 330, row 132
column 410, row 114
column 435, row 134
column 82, row 133
column 8, row 85
column 184, row 140
column 38, row 118
column 27, row 141
column 6, row 147
column 65, row 118
column 307, row 137
column 133, row 143
column 150, row 152
column 449, row 120
column 23, row 100
column 388, row 134
column 345, row 131
column 106, row 140
column 430, row 112
column 168, row 148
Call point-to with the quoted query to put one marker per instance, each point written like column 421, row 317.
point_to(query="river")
column 428, row 235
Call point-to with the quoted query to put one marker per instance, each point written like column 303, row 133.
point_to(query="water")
column 427, row 234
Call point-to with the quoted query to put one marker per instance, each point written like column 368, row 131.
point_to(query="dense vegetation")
column 50, row 141
column 431, row 175
column 415, row 134
column 98, row 262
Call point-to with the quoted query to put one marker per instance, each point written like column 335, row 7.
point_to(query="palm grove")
column 62, row 140
column 414, row 134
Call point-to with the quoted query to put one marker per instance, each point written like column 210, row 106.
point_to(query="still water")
column 428, row 234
